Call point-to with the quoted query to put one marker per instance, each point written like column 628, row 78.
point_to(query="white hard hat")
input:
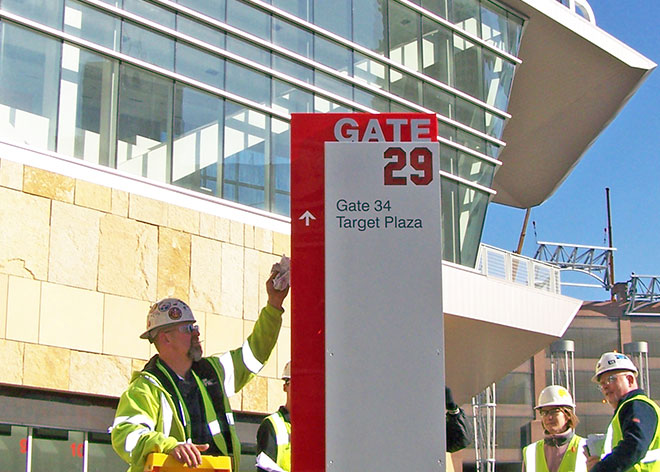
column 166, row 312
column 613, row 361
column 555, row 395
column 286, row 372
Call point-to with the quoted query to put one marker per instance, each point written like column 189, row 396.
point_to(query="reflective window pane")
column 291, row 37
column 332, row 54
column 334, row 85
column 247, row 18
column 467, row 67
column 323, row 105
column 288, row 98
column 436, row 51
column 47, row 12
column 248, row 83
column 465, row 14
column 13, row 448
column 144, row 124
column 470, row 114
column 57, row 449
column 371, row 71
column 371, row 100
column 198, row 140
column 438, row 100
column 281, row 168
column 334, row 16
column 404, row 35
column 248, row 50
column 494, row 25
column 200, row 65
column 214, row 9
column 498, row 79
column 246, row 132
column 85, row 112
column 199, row 31
column 370, row 24
column 151, row 12
column 91, row 24
column 292, row 68
column 101, row 456
column 439, row 7
column 29, row 79
column 405, row 86
column 148, row 46
column 301, row 8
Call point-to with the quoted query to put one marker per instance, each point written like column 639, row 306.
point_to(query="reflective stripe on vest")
column 574, row 459
column 282, row 438
column 651, row 461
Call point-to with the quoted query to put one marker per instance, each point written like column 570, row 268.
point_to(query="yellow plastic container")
column 158, row 462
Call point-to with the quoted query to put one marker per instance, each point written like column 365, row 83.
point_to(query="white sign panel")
column 384, row 358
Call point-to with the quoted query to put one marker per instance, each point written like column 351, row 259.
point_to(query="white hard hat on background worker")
column 555, row 395
column 613, row 361
column 286, row 372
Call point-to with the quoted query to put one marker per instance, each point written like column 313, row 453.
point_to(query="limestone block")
column 4, row 283
column 25, row 223
column 236, row 402
column 263, row 240
column 173, row 264
column 231, row 298
column 251, row 286
column 213, row 227
column 147, row 210
column 222, row 334
column 11, row 174
column 48, row 184
column 46, row 367
column 137, row 364
column 23, row 309
column 281, row 244
column 98, row 374
column 93, row 196
column 283, row 349
column 255, row 395
column 119, row 202
column 236, row 233
column 124, row 320
column 183, row 219
column 128, row 258
column 276, row 394
column 11, row 353
column 71, row 318
column 205, row 274
column 249, row 236
column 74, row 245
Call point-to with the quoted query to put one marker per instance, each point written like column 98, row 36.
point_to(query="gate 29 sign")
column 367, row 331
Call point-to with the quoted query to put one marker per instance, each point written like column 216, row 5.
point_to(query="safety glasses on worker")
column 186, row 329
column 605, row 381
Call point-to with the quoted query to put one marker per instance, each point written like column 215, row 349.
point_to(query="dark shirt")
column 199, row 429
column 266, row 441
column 638, row 425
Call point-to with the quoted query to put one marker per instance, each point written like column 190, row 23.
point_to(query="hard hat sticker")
column 164, row 306
column 174, row 313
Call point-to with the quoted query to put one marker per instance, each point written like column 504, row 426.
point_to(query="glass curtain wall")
column 206, row 108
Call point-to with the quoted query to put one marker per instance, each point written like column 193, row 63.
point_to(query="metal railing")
column 643, row 290
column 514, row 268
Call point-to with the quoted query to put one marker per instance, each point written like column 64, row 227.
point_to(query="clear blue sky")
column 625, row 158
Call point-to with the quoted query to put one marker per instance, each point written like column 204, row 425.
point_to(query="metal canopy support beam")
column 590, row 260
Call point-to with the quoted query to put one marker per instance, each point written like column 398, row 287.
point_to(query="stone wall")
column 81, row 263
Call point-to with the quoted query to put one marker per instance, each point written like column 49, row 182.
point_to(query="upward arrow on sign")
column 307, row 216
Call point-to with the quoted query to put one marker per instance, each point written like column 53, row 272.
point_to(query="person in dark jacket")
column 459, row 434
column 632, row 441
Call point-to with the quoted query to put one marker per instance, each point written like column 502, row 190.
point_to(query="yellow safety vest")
column 651, row 461
column 574, row 459
column 282, row 430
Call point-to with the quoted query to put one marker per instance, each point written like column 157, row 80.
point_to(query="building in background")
column 144, row 153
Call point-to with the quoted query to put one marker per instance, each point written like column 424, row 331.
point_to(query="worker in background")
column 632, row 441
column 274, row 434
column 560, row 449
column 179, row 403
column 459, row 435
